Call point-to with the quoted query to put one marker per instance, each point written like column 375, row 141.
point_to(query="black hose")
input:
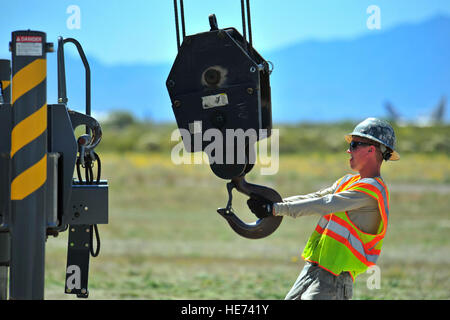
column 97, row 236
column 89, row 179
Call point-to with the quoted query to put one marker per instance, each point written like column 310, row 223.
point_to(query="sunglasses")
column 356, row 144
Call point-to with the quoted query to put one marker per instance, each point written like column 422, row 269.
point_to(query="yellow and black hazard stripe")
column 29, row 132
column 5, row 84
column 5, row 80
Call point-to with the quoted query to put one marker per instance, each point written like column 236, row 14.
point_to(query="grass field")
column 166, row 241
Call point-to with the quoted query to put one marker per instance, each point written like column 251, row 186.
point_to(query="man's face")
column 359, row 155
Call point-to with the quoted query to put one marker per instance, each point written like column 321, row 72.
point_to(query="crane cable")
column 243, row 7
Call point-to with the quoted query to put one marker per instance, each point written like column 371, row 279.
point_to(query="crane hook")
column 260, row 228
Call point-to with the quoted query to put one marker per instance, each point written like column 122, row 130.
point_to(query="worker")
column 354, row 216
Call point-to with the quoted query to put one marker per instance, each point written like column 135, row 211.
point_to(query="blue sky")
column 143, row 31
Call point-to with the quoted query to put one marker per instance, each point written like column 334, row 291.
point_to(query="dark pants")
column 315, row 283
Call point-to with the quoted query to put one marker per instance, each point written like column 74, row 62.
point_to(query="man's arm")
column 317, row 194
column 336, row 202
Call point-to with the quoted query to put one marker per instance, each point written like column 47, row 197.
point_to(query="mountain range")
column 313, row 81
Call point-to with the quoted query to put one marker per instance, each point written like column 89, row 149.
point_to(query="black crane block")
column 220, row 82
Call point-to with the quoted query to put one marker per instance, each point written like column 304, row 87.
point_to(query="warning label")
column 28, row 39
column 29, row 46
column 217, row 100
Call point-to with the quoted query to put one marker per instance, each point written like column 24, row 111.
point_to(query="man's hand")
column 260, row 207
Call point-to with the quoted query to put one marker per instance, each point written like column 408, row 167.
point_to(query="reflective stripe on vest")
column 349, row 238
column 346, row 180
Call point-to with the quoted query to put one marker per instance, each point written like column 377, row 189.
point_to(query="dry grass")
column 165, row 240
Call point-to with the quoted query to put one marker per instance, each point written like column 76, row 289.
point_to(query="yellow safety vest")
column 337, row 245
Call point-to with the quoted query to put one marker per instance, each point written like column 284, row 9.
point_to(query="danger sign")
column 29, row 46
column 33, row 39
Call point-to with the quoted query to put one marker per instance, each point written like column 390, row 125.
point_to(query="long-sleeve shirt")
column 361, row 208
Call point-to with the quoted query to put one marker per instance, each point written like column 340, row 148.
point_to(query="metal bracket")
column 79, row 206
column 78, row 253
column 88, row 205
column 78, row 119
